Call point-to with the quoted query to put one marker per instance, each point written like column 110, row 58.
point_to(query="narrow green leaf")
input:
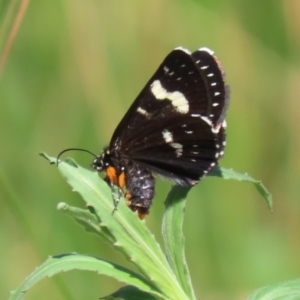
column 230, row 174
column 71, row 261
column 173, row 237
column 288, row 290
column 88, row 220
column 131, row 234
column 129, row 293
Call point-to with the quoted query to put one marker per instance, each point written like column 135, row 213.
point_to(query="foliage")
column 160, row 276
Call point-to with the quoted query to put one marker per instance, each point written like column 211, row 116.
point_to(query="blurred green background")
column 74, row 69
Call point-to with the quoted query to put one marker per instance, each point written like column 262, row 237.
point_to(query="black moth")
column 174, row 128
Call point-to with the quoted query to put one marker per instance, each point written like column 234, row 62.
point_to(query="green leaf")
column 88, row 220
column 173, row 237
column 130, row 233
column 71, row 261
column 129, row 293
column 230, row 174
column 288, row 290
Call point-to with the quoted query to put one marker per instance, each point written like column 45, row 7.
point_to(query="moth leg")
column 117, row 185
column 116, row 182
column 116, row 193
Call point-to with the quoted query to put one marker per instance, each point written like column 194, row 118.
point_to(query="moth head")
column 102, row 161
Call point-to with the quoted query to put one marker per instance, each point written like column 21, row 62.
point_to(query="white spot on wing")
column 142, row 111
column 207, row 120
column 210, row 75
column 207, row 50
column 213, row 84
column 215, row 104
column 217, row 93
column 183, row 49
column 178, row 148
column 178, row 100
column 195, row 115
column 204, row 67
column 215, row 129
column 167, row 135
column 166, row 69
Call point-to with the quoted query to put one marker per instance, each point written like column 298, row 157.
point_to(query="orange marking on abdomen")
column 121, row 180
column 111, row 173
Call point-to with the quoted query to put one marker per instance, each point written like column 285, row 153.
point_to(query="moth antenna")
column 73, row 149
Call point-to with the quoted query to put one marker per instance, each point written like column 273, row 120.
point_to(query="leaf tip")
column 49, row 158
column 62, row 206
